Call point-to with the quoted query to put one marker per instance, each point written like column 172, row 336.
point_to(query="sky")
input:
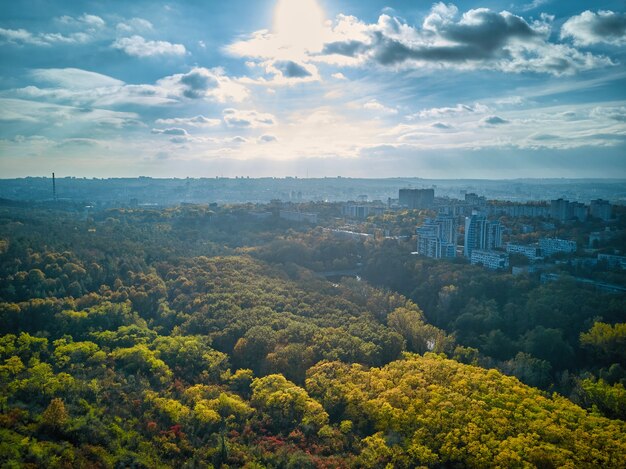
column 313, row 88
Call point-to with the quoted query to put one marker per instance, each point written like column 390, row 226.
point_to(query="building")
column 437, row 238
column 511, row 209
column 417, row 198
column 600, row 209
column 475, row 200
column 560, row 210
column 564, row 210
column 551, row 246
column 597, row 238
column 613, row 261
column 481, row 234
column 532, row 252
column 361, row 211
column 292, row 215
column 494, row 260
column 579, row 211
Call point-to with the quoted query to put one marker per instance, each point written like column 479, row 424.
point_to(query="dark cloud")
column 267, row 139
column 488, row 31
column 291, row 69
column 494, row 120
column 197, row 82
column 347, row 48
column 440, row 125
column 479, row 38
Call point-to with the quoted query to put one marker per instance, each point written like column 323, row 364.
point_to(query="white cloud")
column 177, row 131
column 134, row 25
column 589, row 28
column 439, row 112
column 54, row 115
column 374, row 105
column 197, row 121
column 339, row 76
column 137, row 46
column 248, row 118
column 85, row 19
column 24, row 37
column 74, row 78
column 20, row 36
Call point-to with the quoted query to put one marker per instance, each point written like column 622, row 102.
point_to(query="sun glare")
column 299, row 23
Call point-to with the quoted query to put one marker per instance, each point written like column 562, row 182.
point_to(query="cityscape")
column 313, row 234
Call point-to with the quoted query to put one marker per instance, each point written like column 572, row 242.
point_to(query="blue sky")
column 480, row 89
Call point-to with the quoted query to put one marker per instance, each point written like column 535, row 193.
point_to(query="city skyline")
column 485, row 89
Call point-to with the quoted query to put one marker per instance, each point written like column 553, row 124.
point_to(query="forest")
column 198, row 336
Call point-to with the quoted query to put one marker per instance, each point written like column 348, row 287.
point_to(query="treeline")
column 514, row 323
column 117, row 349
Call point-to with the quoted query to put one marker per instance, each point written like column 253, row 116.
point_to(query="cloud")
column 85, row 19
column 440, row 125
column 78, row 142
column 534, row 4
column 374, row 105
column 614, row 113
column 267, row 138
column 291, row 69
column 24, row 37
column 85, row 88
column 478, row 39
column 493, row 120
column 133, row 25
column 204, row 83
column 339, row 76
column 171, row 131
column 85, row 28
column 137, row 46
column 459, row 109
column 54, row 115
column 74, row 78
column 248, row 119
column 19, row 36
column 589, row 28
column 197, row 121
column 236, row 140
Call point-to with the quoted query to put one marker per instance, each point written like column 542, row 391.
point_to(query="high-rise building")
column 481, row 233
column 564, row 210
column 560, row 209
column 579, row 211
column 437, row 238
column 475, row 200
column 600, row 209
column 416, row 198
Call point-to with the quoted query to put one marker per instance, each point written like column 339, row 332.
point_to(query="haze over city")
column 468, row 89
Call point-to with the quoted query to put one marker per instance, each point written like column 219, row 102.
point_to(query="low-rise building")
column 494, row 260
column 613, row 260
column 293, row 215
column 361, row 211
column 531, row 251
column 551, row 246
